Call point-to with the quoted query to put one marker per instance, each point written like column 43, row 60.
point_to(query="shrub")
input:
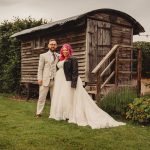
column 145, row 47
column 10, row 55
column 117, row 100
column 139, row 110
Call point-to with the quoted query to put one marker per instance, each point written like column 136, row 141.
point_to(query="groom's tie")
column 54, row 56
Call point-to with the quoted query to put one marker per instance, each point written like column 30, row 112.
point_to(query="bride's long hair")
column 68, row 47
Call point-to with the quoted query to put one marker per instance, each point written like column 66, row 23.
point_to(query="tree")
column 10, row 51
column 145, row 47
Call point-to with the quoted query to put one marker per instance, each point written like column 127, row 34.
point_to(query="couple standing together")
column 69, row 100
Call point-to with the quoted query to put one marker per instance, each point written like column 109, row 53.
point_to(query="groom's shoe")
column 67, row 119
column 38, row 115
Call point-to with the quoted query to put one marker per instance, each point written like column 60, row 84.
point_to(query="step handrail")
column 110, row 64
column 114, row 48
column 107, row 80
column 100, row 74
column 97, row 68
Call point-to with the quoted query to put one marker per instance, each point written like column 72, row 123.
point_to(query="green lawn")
column 20, row 130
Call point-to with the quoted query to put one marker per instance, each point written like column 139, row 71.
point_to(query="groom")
column 46, row 74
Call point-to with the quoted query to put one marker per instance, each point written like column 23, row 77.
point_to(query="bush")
column 10, row 55
column 145, row 47
column 139, row 110
column 117, row 100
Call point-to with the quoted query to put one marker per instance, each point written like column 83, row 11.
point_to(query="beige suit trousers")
column 43, row 90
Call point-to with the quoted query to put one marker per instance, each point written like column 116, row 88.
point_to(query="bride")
column 70, row 100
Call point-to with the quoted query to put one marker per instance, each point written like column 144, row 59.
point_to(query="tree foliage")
column 145, row 47
column 10, row 51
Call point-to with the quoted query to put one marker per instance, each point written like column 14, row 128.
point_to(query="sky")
column 60, row 9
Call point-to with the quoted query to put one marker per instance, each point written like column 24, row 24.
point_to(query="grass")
column 20, row 130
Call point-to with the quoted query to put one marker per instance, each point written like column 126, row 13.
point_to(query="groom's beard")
column 52, row 50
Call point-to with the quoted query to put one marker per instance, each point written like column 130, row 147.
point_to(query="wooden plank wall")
column 30, row 55
column 99, row 43
column 110, row 30
column 120, row 33
column 121, row 29
column 124, row 70
column 29, row 62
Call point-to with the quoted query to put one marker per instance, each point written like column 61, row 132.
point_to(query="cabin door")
column 99, row 42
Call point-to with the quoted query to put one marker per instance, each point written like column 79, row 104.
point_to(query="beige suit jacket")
column 47, row 67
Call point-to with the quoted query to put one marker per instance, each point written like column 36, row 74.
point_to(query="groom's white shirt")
column 47, row 67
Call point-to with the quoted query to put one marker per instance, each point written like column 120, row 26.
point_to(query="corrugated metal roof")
column 136, row 25
column 45, row 26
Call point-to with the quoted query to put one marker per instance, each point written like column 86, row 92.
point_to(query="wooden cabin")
column 102, row 42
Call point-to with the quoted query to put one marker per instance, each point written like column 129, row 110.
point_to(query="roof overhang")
column 137, row 27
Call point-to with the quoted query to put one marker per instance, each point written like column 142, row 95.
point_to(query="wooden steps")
column 93, row 91
column 115, row 67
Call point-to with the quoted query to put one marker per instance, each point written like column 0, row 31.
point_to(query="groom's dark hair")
column 52, row 40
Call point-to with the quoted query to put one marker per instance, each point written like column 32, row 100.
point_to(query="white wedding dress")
column 76, row 105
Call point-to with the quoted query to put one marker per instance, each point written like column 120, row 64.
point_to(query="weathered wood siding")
column 99, row 35
column 29, row 61
column 90, row 45
column 124, row 65
column 121, row 29
column 30, row 51
column 103, row 32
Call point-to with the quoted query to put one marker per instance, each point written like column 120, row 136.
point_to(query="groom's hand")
column 40, row 82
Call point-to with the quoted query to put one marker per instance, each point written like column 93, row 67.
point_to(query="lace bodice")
column 60, row 64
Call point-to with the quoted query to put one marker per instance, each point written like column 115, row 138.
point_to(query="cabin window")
column 39, row 43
